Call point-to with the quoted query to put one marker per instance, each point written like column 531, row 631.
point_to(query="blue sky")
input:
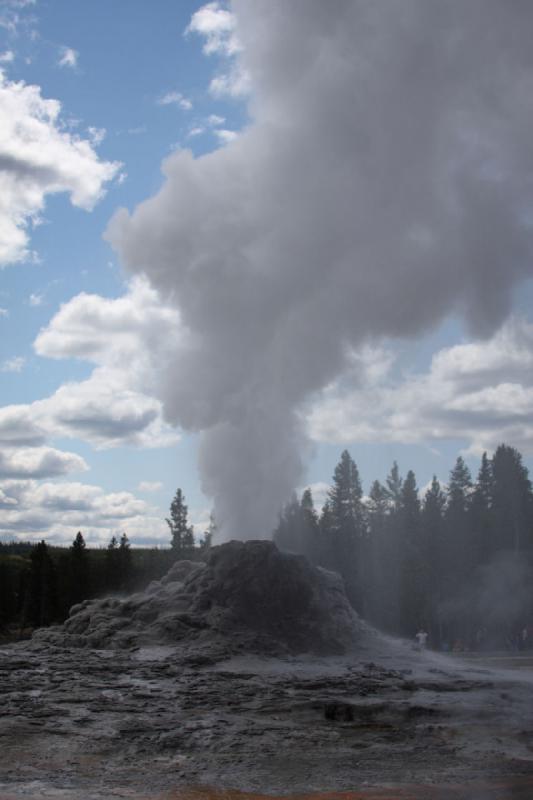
column 91, row 432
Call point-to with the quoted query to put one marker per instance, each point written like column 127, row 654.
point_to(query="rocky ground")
column 158, row 717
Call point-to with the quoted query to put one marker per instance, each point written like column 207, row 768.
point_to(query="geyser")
column 247, row 597
column 382, row 183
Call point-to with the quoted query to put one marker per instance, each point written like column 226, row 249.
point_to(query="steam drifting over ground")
column 384, row 182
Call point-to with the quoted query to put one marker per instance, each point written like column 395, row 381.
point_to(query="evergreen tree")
column 345, row 497
column 112, row 565
column 394, row 487
column 458, row 533
column 348, row 527
column 380, row 561
column 434, row 536
column 40, row 605
column 297, row 529
column 187, row 542
column 310, row 528
column 209, row 534
column 413, row 566
column 180, row 530
column 459, row 488
column 79, row 571
column 512, row 500
column 124, row 563
column 481, row 514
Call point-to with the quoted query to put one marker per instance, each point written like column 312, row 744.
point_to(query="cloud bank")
column 480, row 392
column 384, row 182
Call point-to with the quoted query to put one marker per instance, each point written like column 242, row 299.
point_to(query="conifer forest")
column 455, row 560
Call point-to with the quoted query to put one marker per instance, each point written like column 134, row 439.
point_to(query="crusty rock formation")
column 247, row 597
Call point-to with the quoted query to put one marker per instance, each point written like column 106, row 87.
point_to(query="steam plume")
column 385, row 181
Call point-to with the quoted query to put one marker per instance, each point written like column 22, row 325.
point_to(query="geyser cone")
column 247, row 597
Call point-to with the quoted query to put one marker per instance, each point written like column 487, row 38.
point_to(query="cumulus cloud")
column 382, row 184
column 58, row 510
column 19, row 428
column 225, row 137
column 7, row 57
column 129, row 339
column 175, row 98
column 39, row 157
column 68, row 57
column 217, row 25
column 38, row 462
column 480, row 393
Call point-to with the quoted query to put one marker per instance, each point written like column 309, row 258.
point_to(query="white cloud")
column 7, row 57
column 39, row 156
column 225, row 136
column 235, row 82
column 129, row 339
column 96, row 135
column 38, row 462
column 4, row 312
column 15, row 364
column 150, row 486
column 175, row 98
column 196, row 131
column 481, row 393
column 68, row 57
column 13, row 16
column 215, row 120
column 218, row 27
column 58, row 510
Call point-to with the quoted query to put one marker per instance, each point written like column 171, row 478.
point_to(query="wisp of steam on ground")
column 383, row 182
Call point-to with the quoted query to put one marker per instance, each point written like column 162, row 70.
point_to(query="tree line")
column 457, row 562
column 39, row 583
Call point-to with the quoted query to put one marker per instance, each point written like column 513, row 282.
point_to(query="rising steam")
column 385, row 180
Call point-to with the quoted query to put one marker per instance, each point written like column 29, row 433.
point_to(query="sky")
column 236, row 239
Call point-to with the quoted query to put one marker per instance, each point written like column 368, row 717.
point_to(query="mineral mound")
column 249, row 597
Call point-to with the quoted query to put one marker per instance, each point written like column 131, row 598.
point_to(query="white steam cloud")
column 385, row 181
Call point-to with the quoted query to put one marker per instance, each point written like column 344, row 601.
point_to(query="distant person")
column 421, row 639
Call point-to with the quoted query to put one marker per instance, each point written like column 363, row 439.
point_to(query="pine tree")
column 209, row 534
column 40, row 604
column 112, row 565
column 459, row 488
column 434, row 536
column 181, row 532
column 413, row 565
column 394, row 486
column 379, row 561
column 79, row 571
column 124, row 563
column 311, row 542
column 512, row 508
column 481, row 513
column 348, row 526
column 345, row 497
column 458, row 533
